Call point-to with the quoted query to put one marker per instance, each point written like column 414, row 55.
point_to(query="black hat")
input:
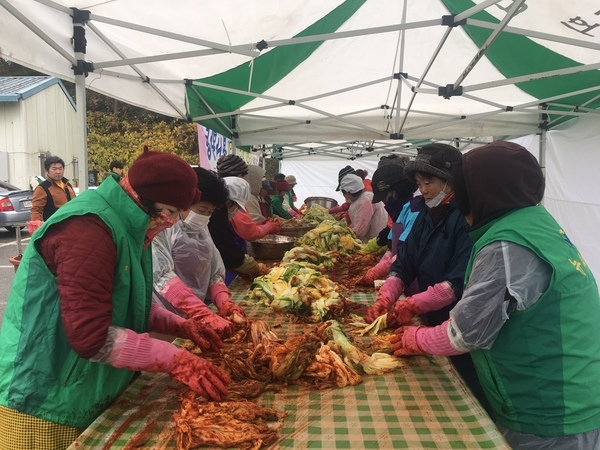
column 434, row 159
column 342, row 173
column 391, row 177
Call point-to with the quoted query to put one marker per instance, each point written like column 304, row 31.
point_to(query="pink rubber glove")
column 166, row 322
column 275, row 226
column 182, row 297
column 33, row 225
column 134, row 351
column 340, row 208
column 388, row 294
column 423, row 340
column 221, row 297
column 435, row 297
column 269, row 227
column 380, row 270
column 402, row 312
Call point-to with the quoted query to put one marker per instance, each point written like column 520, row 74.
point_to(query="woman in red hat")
column 188, row 268
column 79, row 311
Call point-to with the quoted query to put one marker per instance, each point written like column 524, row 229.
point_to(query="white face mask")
column 196, row 221
column 435, row 201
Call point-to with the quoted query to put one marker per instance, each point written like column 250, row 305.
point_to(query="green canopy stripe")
column 262, row 73
column 515, row 55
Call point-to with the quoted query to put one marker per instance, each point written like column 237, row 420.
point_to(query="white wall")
column 573, row 183
column 42, row 123
column 319, row 178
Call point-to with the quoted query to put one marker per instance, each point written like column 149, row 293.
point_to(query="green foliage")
column 112, row 136
column 119, row 131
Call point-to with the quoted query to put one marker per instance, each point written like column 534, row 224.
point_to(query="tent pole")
column 543, row 151
column 81, row 69
column 81, row 132
column 543, row 127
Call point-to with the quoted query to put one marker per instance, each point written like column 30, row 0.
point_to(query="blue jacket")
column 433, row 253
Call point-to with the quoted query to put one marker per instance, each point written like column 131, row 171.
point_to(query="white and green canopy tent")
column 326, row 75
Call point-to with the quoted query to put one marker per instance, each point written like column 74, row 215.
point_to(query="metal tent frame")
column 96, row 52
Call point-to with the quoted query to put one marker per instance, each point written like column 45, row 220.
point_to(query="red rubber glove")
column 134, row 351
column 295, row 214
column 182, row 297
column 388, row 294
column 380, row 270
column 402, row 312
column 423, row 340
column 165, row 322
column 434, row 298
column 404, row 342
column 221, row 297
column 340, row 208
column 200, row 375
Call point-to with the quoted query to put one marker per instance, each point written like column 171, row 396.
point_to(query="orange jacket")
column 48, row 197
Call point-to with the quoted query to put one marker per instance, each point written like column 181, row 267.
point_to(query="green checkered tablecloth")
column 422, row 405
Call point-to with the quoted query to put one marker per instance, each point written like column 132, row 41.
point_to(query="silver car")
column 15, row 205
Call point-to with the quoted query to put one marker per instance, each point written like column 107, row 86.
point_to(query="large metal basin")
column 325, row 202
column 271, row 247
column 296, row 231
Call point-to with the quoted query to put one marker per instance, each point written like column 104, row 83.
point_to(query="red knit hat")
column 282, row 186
column 165, row 178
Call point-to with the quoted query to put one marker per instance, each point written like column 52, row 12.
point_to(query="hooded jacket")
column 255, row 176
column 541, row 372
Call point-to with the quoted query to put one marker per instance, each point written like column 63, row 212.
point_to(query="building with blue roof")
column 37, row 119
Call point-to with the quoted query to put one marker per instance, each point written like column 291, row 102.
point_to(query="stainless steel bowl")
column 271, row 247
column 325, row 202
column 297, row 231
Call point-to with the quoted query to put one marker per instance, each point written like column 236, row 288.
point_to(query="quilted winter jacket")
column 435, row 252
column 40, row 374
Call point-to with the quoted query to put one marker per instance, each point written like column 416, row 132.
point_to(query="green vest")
column 542, row 374
column 40, row 374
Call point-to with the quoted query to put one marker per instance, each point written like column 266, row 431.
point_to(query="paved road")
column 8, row 248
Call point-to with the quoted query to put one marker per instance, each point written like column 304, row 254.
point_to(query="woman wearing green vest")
column 79, row 311
column 530, row 311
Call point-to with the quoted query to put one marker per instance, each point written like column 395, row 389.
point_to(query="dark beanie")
column 391, row 177
column 165, row 178
column 231, row 166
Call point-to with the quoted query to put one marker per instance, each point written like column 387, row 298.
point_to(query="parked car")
column 15, row 205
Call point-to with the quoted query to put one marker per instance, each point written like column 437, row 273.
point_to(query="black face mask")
column 393, row 206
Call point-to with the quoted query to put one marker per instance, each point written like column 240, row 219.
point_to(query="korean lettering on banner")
column 583, row 25
column 211, row 146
